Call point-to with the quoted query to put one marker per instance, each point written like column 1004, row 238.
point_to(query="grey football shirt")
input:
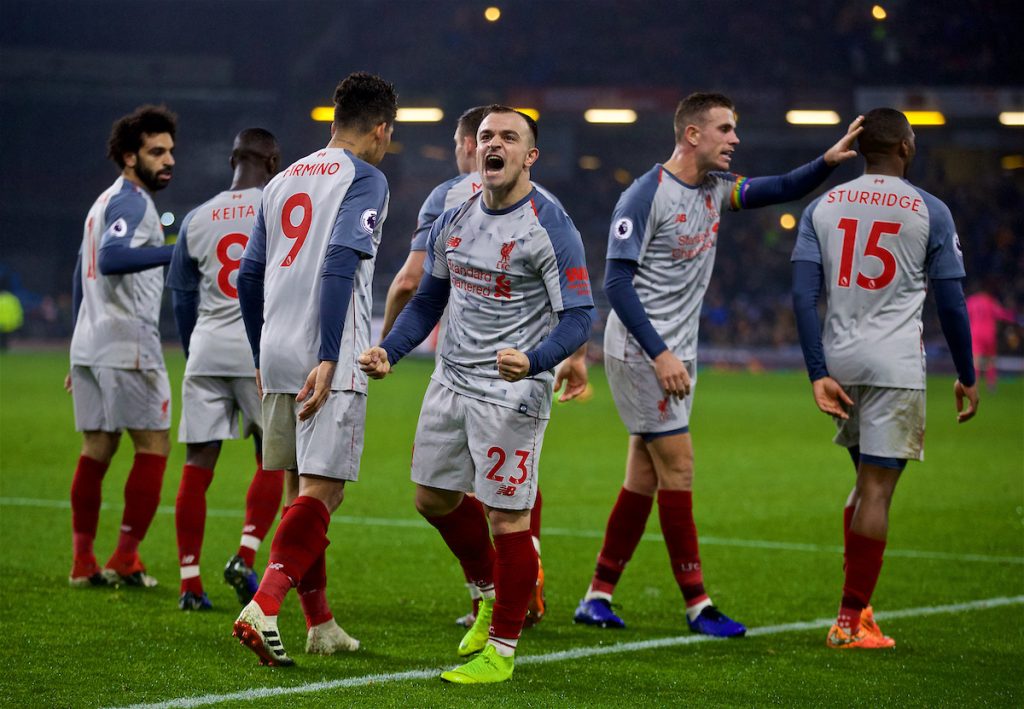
column 878, row 239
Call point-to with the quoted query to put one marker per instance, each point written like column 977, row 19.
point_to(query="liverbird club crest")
column 506, row 254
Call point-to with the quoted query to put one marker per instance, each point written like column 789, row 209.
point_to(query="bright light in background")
column 167, row 218
column 610, row 115
column 395, row 147
column 1012, row 162
column 879, row 13
column 787, row 221
column 531, row 112
column 492, row 14
column 419, row 115
column 925, row 118
column 324, row 114
column 589, row 162
column 623, row 176
column 1012, row 118
column 812, row 118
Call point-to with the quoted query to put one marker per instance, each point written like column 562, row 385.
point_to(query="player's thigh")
column 280, row 421
column 440, row 452
column 892, row 423
column 208, row 410
column 330, row 443
column 136, row 399
column 88, row 401
column 247, row 400
column 505, row 446
column 640, row 400
column 672, row 457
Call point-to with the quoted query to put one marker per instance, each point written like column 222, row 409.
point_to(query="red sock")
column 300, row 539
column 86, row 496
column 261, row 505
column 863, row 565
column 675, row 510
column 312, row 591
column 847, row 521
column 625, row 528
column 515, row 576
column 535, row 516
column 465, row 531
column 189, row 521
column 141, row 498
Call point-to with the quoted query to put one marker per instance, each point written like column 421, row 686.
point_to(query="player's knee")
column 430, row 503
column 100, row 445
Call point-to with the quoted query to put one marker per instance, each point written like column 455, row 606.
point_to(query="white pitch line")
column 576, row 654
column 572, row 533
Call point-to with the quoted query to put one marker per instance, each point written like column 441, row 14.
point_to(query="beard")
column 151, row 178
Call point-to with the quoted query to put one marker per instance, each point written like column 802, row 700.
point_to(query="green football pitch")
column 769, row 491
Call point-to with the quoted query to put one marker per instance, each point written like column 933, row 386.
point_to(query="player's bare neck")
column 247, row 176
column 503, row 198
column 683, row 165
column 129, row 174
column 893, row 167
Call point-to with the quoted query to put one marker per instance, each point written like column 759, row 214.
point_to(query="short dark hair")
column 255, row 143
column 692, row 109
column 499, row 108
column 469, row 121
column 363, row 101
column 126, row 135
column 884, row 130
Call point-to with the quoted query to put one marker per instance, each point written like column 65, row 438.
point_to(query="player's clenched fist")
column 513, row 365
column 374, row 362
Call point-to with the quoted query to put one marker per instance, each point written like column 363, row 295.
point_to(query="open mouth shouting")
column 493, row 165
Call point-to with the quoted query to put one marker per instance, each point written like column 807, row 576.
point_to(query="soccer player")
column 877, row 243
column 504, row 263
column 118, row 380
column 304, row 290
column 452, row 193
column 661, row 251
column 220, row 382
column 986, row 312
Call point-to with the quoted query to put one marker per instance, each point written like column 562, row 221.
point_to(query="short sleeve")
column 124, row 213
column 807, row 247
column 183, row 274
column 256, row 249
column 361, row 210
column 565, row 270
column 435, row 263
column 630, row 218
column 431, row 209
column 944, row 258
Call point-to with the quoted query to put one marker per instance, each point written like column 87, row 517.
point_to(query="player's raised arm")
column 754, row 192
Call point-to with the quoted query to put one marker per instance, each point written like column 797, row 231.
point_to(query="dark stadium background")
column 68, row 69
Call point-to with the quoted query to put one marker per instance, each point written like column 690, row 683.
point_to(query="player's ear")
column 691, row 134
column 130, row 159
column 333, row 128
column 531, row 157
column 272, row 163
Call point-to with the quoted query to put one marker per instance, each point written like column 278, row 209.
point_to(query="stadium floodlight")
column 610, row 115
column 1012, row 118
column 531, row 112
column 879, row 13
column 812, row 118
column 419, row 115
column 590, row 162
column 787, row 221
column 925, row 118
column 492, row 14
column 324, row 114
column 1012, row 162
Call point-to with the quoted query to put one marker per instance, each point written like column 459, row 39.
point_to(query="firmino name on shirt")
column 874, row 199
column 314, row 169
column 241, row 211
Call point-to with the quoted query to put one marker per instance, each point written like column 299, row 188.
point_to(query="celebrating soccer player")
column 504, row 263
column 220, row 382
column 118, row 380
column 661, row 250
column 876, row 244
column 573, row 372
column 304, row 289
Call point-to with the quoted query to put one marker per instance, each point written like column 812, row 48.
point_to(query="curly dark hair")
column 127, row 131
column 884, row 130
column 363, row 101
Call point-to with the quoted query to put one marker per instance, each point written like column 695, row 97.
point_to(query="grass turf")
column 766, row 472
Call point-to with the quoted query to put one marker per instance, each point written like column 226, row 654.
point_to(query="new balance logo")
column 879, row 181
column 453, row 242
column 681, row 218
column 502, row 287
column 236, row 196
column 506, row 490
